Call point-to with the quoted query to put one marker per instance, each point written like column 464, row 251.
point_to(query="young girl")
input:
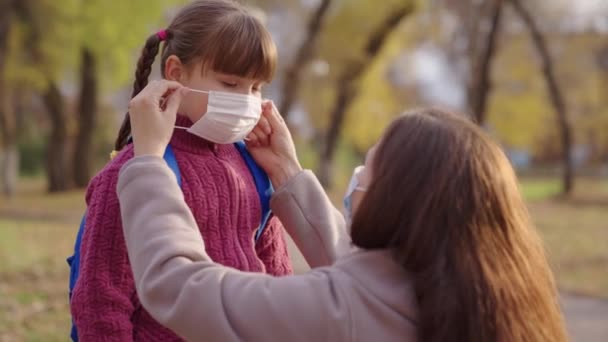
column 224, row 54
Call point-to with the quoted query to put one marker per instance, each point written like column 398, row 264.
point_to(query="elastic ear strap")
column 198, row 91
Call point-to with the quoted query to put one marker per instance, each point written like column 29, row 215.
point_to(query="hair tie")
column 162, row 34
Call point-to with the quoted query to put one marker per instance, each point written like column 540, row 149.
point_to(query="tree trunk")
column 9, row 156
column 57, row 145
column 293, row 75
column 87, row 111
column 555, row 94
column 602, row 62
column 481, row 70
column 348, row 88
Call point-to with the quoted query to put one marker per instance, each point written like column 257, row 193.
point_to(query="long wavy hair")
column 446, row 200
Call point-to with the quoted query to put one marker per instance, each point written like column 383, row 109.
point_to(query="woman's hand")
column 272, row 147
column 153, row 112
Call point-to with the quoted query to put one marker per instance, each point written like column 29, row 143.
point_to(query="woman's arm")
column 315, row 225
column 317, row 228
column 184, row 290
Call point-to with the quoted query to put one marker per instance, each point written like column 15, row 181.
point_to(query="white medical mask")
column 352, row 187
column 230, row 117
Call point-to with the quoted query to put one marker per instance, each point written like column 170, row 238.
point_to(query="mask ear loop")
column 198, row 91
column 164, row 99
column 356, row 174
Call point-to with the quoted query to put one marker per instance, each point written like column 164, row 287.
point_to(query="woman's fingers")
column 252, row 139
column 275, row 120
column 173, row 100
column 155, row 95
column 261, row 137
column 264, row 125
column 153, row 113
column 158, row 89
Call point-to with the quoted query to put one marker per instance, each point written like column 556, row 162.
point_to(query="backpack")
column 262, row 184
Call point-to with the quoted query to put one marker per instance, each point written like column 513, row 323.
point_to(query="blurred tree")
column 483, row 46
column 379, row 101
column 50, row 39
column 602, row 102
column 39, row 54
column 344, row 41
column 87, row 117
column 348, row 85
column 109, row 32
column 306, row 51
column 521, row 116
column 26, row 64
column 469, row 33
column 57, row 158
column 9, row 164
column 518, row 112
column 555, row 94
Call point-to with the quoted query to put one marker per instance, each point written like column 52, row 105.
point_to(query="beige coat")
column 350, row 295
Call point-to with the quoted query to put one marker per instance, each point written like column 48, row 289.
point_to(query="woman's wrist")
column 284, row 173
column 144, row 150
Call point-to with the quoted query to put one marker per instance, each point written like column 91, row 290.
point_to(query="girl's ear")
column 174, row 69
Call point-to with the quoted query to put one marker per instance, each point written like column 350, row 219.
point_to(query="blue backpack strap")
column 262, row 184
column 74, row 260
column 172, row 162
column 74, row 263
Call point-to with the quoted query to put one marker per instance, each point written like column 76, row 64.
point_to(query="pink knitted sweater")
column 221, row 193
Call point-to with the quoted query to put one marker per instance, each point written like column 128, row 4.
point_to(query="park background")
column 533, row 73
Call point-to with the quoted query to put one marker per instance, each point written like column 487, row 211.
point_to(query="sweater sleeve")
column 184, row 290
column 101, row 304
column 314, row 224
column 272, row 249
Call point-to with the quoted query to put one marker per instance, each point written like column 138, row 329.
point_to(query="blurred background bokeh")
column 533, row 73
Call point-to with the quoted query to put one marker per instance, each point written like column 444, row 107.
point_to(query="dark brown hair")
column 220, row 34
column 446, row 201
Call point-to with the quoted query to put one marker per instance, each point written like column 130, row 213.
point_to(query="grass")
column 575, row 232
column 540, row 189
column 37, row 232
column 33, row 290
column 576, row 238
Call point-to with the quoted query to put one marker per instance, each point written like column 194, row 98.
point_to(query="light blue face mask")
column 352, row 187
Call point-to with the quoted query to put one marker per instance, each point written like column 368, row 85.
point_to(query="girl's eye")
column 229, row 85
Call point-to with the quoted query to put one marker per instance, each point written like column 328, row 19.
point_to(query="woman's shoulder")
column 373, row 268
column 380, row 293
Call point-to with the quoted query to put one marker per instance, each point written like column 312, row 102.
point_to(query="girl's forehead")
column 213, row 73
